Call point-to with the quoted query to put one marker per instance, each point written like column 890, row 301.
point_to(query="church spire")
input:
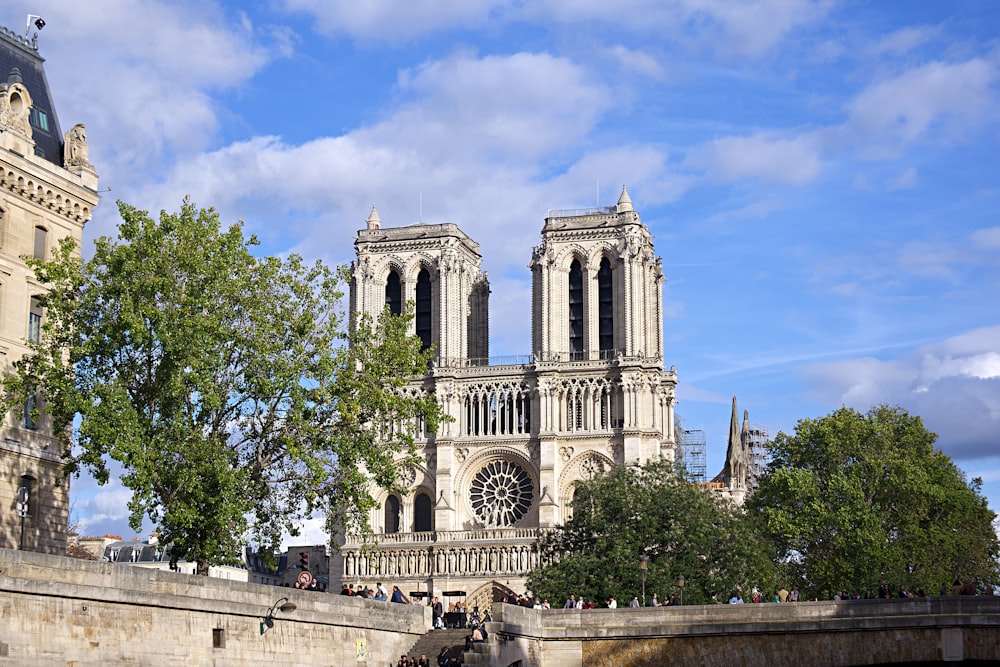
column 735, row 442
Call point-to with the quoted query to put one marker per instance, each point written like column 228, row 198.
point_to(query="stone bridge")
column 803, row 634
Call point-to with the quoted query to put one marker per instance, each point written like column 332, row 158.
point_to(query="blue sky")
column 821, row 178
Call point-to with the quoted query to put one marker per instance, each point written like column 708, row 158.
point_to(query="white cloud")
column 469, row 130
column 156, row 66
column 758, row 157
column 904, row 40
column 954, row 385
column 522, row 105
column 906, row 108
column 640, row 62
column 986, row 239
column 906, row 180
column 387, row 20
column 952, row 257
column 723, row 25
column 311, row 532
column 144, row 75
column 753, row 211
column 108, row 505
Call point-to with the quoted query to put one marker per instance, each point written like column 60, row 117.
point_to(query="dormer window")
column 39, row 119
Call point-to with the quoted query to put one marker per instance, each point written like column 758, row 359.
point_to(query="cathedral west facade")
column 593, row 394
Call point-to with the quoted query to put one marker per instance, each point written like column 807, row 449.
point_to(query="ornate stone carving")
column 15, row 106
column 565, row 453
column 501, row 493
column 407, row 475
column 461, row 453
column 76, row 152
column 593, row 466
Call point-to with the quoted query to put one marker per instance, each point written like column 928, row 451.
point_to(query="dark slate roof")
column 22, row 53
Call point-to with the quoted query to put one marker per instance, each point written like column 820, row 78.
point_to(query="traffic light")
column 304, row 561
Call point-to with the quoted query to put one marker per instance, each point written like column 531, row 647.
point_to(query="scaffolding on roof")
column 693, row 454
column 757, row 439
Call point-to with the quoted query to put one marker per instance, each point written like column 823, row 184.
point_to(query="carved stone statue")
column 76, row 152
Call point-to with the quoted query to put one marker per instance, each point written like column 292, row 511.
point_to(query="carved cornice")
column 42, row 192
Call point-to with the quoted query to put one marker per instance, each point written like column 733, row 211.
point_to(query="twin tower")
column 596, row 286
column 593, row 393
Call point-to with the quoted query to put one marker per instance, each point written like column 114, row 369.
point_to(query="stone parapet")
column 64, row 611
column 857, row 632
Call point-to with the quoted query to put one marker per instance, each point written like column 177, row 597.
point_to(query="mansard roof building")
column 47, row 191
column 593, row 394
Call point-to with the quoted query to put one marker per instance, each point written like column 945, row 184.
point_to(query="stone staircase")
column 432, row 641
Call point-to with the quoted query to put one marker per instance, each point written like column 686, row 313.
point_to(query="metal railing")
column 574, row 212
column 527, row 359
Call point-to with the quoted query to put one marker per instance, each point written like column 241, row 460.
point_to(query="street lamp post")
column 23, row 493
column 680, row 584
column 643, row 565
column 267, row 622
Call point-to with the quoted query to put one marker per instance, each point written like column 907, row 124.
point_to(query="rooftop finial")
column 374, row 222
column 624, row 202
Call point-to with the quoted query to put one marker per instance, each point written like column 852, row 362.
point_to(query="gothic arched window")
column 424, row 308
column 575, row 311
column 605, row 308
column 392, row 514
column 423, row 514
column 393, row 293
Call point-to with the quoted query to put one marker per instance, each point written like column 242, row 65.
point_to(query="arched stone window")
column 423, row 314
column 394, row 293
column 575, row 311
column 423, row 514
column 605, row 309
column 392, row 514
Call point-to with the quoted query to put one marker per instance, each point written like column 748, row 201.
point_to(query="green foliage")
column 650, row 510
column 851, row 499
column 220, row 382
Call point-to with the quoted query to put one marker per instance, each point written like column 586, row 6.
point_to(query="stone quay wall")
column 857, row 632
column 62, row 611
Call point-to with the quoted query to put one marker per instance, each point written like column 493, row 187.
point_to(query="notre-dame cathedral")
column 593, row 394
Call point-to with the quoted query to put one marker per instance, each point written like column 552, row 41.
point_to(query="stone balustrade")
column 489, row 552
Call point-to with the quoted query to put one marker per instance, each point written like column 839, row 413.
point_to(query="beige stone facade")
column 592, row 394
column 48, row 190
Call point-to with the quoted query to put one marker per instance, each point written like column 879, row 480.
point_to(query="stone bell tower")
column 436, row 267
column 597, row 286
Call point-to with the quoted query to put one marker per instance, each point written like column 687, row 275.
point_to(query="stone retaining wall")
column 860, row 632
column 62, row 611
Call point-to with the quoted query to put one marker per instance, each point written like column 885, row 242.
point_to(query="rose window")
column 501, row 493
column 593, row 467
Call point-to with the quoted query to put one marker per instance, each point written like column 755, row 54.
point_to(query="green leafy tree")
column 651, row 511
column 851, row 499
column 227, row 386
